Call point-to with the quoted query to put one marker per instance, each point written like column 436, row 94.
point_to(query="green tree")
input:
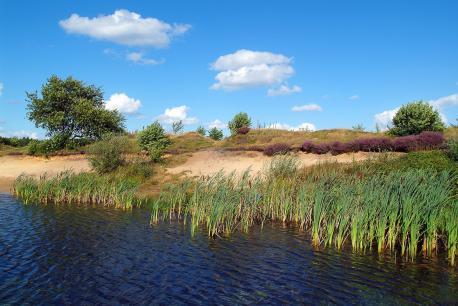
column 240, row 120
column 109, row 154
column 215, row 134
column 153, row 140
column 71, row 110
column 414, row 118
column 201, row 130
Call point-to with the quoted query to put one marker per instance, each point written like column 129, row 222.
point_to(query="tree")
column 414, row 118
column 153, row 140
column 240, row 120
column 201, row 130
column 70, row 110
column 109, row 154
column 215, row 134
column 177, row 127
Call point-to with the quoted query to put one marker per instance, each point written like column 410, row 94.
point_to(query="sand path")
column 13, row 166
column 209, row 162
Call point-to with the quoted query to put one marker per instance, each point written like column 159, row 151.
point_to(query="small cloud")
column 354, row 97
column 246, row 68
column 306, row 126
column 123, row 103
column 217, row 124
column 1, row 89
column 385, row 119
column 138, row 58
column 306, row 107
column 125, row 28
column 178, row 113
column 451, row 100
column 283, row 90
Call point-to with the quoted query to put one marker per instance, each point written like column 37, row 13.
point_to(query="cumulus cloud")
column 246, row 68
column 125, row 28
column 354, row 97
column 178, row 113
column 123, row 103
column 283, row 90
column 385, row 119
column 138, row 58
column 217, row 124
column 446, row 101
column 306, row 107
column 1, row 88
column 306, row 126
column 20, row 134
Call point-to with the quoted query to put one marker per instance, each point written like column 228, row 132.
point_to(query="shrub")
column 243, row 130
column 452, row 149
column 307, row 147
column 277, row 149
column 109, row 154
column 153, row 140
column 201, row 130
column 414, row 118
column 375, row 144
column 215, row 134
column 338, row 148
column 239, row 120
column 316, row 148
column 430, row 140
column 177, row 127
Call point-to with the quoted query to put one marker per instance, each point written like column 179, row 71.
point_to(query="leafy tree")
column 69, row 110
column 240, row 120
column 414, row 118
column 201, row 130
column 109, row 154
column 153, row 140
column 215, row 134
column 177, row 127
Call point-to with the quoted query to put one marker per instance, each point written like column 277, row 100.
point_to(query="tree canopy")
column 70, row 110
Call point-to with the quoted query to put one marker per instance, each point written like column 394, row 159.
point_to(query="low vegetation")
column 154, row 141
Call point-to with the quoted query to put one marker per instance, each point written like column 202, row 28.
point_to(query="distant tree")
column 153, row 140
column 177, row 127
column 240, row 120
column 215, row 134
column 70, row 110
column 414, row 118
column 358, row 128
column 201, row 130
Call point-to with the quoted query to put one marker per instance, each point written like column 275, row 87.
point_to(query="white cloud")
column 283, row 90
column 354, row 97
column 123, row 103
column 306, row 126
column 178, row 113
column 1, row 88
column 385, row 119
column 217, row 124
column 20, row 134
column 138, row 58
column 442, row 102
column 125, row 28
column 306, row 107
column 246, row 68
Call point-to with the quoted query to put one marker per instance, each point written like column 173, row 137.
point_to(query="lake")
column 86, row 255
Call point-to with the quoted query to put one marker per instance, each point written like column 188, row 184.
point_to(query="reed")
column 406, row 211
column 83, row 188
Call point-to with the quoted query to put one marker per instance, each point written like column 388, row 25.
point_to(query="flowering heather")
column 338, row 147
column 277, row 148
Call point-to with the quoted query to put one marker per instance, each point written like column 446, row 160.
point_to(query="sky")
column 288, row 64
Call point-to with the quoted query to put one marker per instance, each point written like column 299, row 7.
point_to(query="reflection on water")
column 52, row 255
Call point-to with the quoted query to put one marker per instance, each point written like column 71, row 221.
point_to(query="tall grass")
column 84, row 188
column 405, row 211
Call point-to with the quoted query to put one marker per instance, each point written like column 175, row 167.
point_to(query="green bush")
column 452, row 149
column 201, row 130
column 153, row 140
column 414, row 118
column 109, row 154
column 177, row 127
column 240, row 120
column 215, row 134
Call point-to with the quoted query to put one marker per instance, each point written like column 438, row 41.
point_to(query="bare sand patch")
column 210, row 162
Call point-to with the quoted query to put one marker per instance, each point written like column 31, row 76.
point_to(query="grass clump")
column 400, row 211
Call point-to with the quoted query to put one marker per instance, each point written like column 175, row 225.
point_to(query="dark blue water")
column 76, row 255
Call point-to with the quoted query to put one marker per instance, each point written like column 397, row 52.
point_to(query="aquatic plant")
column 83, row 188
column 406, row 212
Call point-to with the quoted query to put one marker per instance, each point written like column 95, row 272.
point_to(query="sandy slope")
column 208, row 162
column 13, row 166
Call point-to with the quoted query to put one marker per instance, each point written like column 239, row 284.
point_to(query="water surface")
column 77, row 255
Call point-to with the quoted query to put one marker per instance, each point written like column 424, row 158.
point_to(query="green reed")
column 398, row 211
column 83, row 188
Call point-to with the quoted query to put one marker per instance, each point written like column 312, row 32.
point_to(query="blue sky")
column 292, row 64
